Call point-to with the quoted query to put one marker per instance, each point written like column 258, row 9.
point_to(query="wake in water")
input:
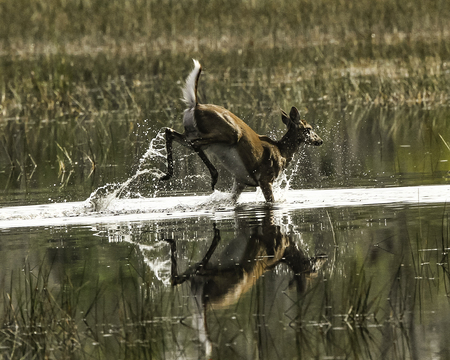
column 102, row 198
column 148, row 174
column 215, row 205
column 146, row 178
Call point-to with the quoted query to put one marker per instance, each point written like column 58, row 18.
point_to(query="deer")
column 218, row 135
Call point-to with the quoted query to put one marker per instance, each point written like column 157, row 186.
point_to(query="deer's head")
column 304, row 132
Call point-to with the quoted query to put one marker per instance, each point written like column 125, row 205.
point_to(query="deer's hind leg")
column 172, row 135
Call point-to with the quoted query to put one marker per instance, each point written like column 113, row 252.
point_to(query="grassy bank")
column 60, row 57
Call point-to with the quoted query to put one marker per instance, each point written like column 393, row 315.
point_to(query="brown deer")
column 217, row 134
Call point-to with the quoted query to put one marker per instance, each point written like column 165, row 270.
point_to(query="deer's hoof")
column 214, row 177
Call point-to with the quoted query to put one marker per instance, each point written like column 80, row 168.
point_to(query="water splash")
column 103, row 198
column 156, row 150
column 147, row 176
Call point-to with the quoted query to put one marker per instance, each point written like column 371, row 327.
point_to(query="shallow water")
column 139, row 269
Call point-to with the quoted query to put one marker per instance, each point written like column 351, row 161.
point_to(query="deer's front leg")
column 267, row 191
column 238, row 187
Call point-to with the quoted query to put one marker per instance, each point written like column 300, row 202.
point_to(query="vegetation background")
column 84, row 84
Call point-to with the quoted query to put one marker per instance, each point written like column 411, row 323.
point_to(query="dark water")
column 344, row 282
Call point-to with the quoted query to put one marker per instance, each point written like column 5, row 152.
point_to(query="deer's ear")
column 294, row 115
column 285, row 118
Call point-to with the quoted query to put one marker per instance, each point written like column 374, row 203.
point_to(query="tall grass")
column 220, row 23
column 83, row 82
column 55, row 62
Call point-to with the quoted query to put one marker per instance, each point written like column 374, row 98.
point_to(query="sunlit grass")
column 219, row 23
column 82, row 98
column 129, row 55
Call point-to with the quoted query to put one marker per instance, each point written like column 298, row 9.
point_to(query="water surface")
column 258, row 281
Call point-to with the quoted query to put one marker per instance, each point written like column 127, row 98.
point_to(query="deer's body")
column 216, row 134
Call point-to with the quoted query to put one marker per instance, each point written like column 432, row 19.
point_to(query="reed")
column 218, row 23
column 101, row 88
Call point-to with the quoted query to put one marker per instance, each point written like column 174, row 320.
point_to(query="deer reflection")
column 219, row 280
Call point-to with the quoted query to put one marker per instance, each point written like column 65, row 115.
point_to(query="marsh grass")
column 79, row 100
column 42, row 319
column 218, row 23
column 39, row 322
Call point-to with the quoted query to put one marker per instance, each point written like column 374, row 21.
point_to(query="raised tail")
column 190, row 88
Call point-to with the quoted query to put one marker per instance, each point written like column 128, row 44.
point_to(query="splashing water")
column 107, row 198
column 104, row 197
column 156, row 149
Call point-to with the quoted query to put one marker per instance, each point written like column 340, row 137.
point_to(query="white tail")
column 216, row 134
column 190, row 88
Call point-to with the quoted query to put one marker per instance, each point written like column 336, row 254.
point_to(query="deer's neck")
column 289, row 145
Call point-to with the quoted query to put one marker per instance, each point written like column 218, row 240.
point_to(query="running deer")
column 216, row 134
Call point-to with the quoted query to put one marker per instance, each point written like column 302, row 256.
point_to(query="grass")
column 219, row 23
column 55, row 63
column 39, row 322
column 80, row 99
column 44, row 319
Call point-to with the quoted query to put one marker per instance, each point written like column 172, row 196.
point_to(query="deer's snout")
column 318, row 142
column 314, row 139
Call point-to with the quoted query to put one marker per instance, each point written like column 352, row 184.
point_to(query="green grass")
column 85, row 84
